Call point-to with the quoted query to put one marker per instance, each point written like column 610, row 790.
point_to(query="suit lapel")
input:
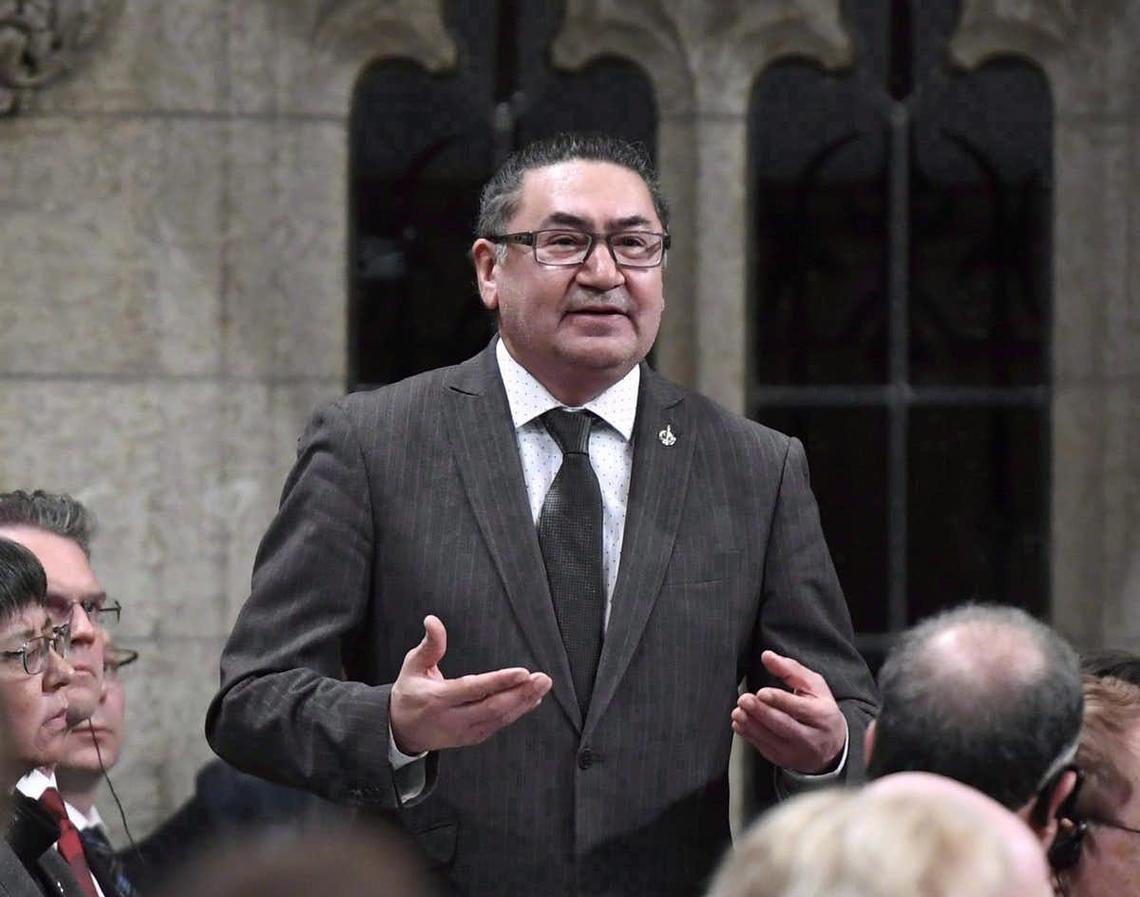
column 662, row 458
column 486, row 452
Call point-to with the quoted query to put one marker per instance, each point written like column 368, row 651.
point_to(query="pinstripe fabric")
column 411, row 500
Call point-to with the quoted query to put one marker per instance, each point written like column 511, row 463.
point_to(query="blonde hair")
column 856, row 844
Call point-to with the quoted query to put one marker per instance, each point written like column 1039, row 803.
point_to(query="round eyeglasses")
column 33, row 653
column 566, row 248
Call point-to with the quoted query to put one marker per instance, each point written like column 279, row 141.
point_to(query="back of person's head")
column 895, row 843
column 56, row 513
column 363, row 861
column 500, row 196
column 22, row 579
column 983, row 694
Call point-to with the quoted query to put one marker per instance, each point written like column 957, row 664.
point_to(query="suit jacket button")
column 585, row 758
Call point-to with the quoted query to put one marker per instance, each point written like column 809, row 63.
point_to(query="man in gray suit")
column 587, row 586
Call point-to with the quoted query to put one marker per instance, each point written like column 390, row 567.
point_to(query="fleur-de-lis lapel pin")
column 666, row 436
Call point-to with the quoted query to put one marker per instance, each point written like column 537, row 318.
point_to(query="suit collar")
column 32, row 831
column 486, row 452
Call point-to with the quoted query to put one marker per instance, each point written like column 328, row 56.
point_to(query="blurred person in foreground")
column 1104, row 860
column 354, row 862
column 34, row 680
column 908, row 835
column 989, row 696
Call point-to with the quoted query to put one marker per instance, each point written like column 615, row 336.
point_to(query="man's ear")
column 1041, row 814
column 869, row 743
column 484, row 255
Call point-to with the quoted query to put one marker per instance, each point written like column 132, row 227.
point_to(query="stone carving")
column 42, row 40
column 367, row 30
column 703, row 52
column 1034, row 28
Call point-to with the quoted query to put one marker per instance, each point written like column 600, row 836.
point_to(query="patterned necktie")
column 570, row 535
column 69, row 844
column 104, row 863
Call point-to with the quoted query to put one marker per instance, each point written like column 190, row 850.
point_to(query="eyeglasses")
column 1107, row 823
column 566, row 248
column 114, row 659
column 34, row 652
column 101, row 613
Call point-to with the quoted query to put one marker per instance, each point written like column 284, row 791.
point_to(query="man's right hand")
column 428, row 713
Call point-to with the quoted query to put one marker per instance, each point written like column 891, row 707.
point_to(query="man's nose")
column 83, row 628
column 600, row 270
column 58, row 672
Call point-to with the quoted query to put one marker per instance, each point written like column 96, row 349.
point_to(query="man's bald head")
column 983, row 694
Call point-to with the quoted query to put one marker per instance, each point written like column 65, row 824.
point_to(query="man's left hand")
column 800, row 730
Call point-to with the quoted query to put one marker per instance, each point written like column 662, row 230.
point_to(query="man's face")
column 105, row 731
column 33, row 708
column 577, row 329
column 71, row 582
column 1110, row 857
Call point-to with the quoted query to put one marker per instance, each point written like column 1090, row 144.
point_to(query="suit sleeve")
column 804, row 614
column 284, row 710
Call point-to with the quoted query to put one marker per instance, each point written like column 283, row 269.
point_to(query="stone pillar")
column 703, row 58
column 1088, row 51
column 173, row 305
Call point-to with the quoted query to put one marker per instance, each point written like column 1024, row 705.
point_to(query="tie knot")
column 53, row 803
column 570, row 429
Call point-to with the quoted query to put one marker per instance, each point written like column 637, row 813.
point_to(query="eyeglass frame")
column 95, row 613
column 112, row 665
column 529, row 238
column 60, row 637
column 1108, row 823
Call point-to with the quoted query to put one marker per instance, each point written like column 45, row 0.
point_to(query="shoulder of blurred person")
column 350, row 862
column 225, row 803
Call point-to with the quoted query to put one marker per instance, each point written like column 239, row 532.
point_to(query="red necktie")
column 69, row 844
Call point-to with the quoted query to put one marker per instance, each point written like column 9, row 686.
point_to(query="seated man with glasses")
column 92, row 750
column 57, row 529
column 34, row 680
column 1107, row 812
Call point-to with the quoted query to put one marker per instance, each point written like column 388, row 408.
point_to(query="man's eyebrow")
column 23, row 634
column 87, row 596
column 568, row 219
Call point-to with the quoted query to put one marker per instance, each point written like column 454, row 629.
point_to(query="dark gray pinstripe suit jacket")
column 410, row 500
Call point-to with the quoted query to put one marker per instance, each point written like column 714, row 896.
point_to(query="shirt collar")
column 36, row 782
column 529, row 399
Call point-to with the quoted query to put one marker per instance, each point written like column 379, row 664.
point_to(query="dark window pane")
column 818, row 163
column 977, row 507
column 847, row 455
column 980, row 218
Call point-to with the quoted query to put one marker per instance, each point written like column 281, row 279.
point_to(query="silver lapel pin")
column 666, row 436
